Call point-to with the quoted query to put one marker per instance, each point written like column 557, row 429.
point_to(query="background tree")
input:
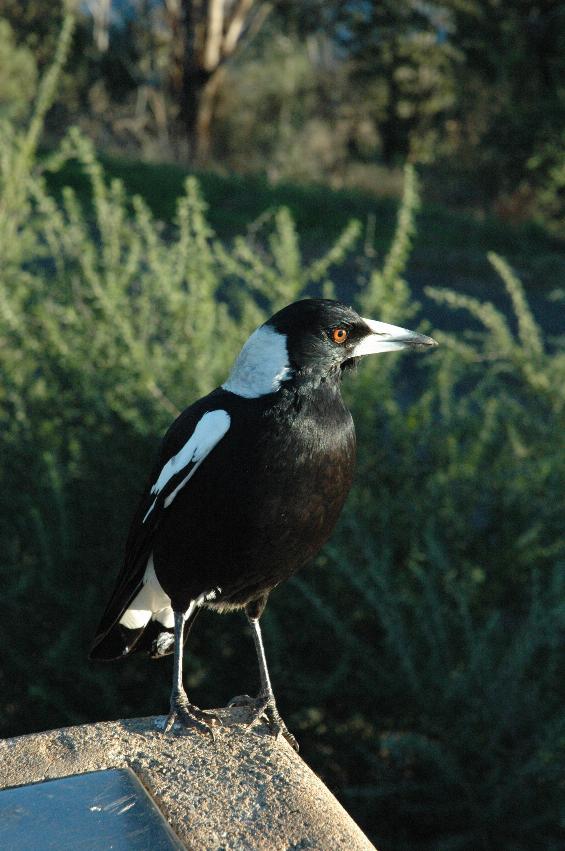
column 338, row 91
column 511, row 100
column 100, row 11
column 205, row 34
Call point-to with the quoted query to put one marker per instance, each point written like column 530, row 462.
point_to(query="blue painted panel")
column 98, row 811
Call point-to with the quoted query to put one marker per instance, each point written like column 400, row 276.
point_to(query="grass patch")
column 449, row 245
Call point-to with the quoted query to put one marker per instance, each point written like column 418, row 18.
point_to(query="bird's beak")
column 390, row 338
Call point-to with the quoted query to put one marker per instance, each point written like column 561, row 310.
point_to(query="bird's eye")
column 339, row 335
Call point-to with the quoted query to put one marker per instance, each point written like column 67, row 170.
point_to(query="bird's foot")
column 264, row 707
column 190, row 716
column 245, row 701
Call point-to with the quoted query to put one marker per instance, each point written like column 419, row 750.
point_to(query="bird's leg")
column 181, row 709
column 264, row 704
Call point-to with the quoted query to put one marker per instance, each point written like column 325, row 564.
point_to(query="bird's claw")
column 279, row 728
column 244, row 700
column 190, row 716
column 264, row 707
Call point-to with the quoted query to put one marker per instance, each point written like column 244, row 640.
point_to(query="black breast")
column 264, row 502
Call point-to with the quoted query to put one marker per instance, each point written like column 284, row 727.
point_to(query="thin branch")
column 213, row 40
column 156, row 391
column 257, row 21
column 235, row 26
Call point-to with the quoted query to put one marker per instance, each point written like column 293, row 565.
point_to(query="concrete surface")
column 245, row 790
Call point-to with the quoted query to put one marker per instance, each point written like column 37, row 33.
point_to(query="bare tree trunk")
column 100, row 11
column 205, row 33
column 205, row 115
column 194, row 75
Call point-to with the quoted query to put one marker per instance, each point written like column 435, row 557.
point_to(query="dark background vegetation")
column 171, row 173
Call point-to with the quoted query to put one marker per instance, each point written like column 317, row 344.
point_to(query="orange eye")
column 339, row 335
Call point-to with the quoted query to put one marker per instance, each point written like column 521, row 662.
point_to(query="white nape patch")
column 151, row 603
column 388, row 338
column 208, row 432
column 261, row 366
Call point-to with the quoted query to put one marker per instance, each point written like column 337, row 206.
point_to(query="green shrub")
column 444, row 595
column 18, row 79
column 547, row 170
column 437, row 718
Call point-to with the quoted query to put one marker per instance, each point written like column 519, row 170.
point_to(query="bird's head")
column 312, row 339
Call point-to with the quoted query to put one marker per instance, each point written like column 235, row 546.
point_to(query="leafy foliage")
column 19, row 75
column 430, row 680
column 452, row 544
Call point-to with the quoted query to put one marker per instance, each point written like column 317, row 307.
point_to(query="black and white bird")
column 248, row 486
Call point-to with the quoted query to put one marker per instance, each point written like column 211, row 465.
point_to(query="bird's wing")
column 188, row 442
column 177, row 470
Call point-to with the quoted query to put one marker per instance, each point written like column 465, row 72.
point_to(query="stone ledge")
column 245, row 790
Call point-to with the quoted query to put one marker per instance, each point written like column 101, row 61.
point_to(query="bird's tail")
column 135, row 617
column 118, row 642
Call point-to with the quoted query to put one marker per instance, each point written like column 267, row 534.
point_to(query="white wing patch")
column 261, row 366
column 151, row 602
column 208, row 432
